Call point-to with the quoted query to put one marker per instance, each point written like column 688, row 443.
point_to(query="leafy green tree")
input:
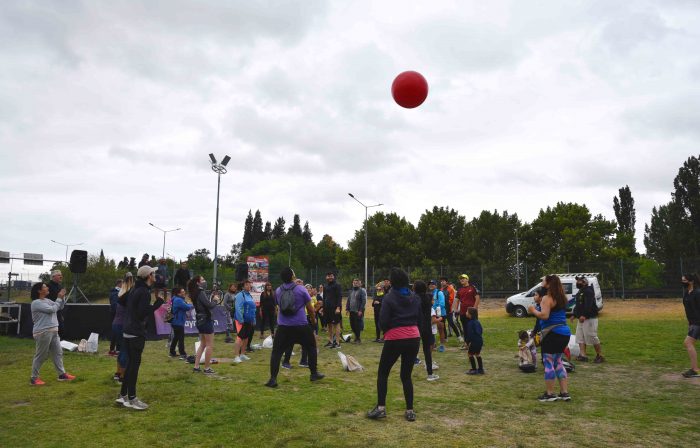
column 440, row 232
column 200, row 261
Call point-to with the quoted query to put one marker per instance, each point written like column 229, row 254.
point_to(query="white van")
column 518, row 304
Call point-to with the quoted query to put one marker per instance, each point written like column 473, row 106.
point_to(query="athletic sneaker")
column 329, row 344
column 137, row 404
column 336, row 345
column 304, row 364
column 271, row 383
column 433, row 377
column 183, row 357
column 690, row 373
column 581, row 358
column 441, row 349
column 599, row 359
column 36, row 382
column 173, row 355
column 237, row 360
column 565, row 396
column 245, row 358
column 66, row 377
column 417, row 362
column 435, row 366
column 317, row 376
column 286, row 365
column 121, row 399
column 208, row 371
column 116, row 377
column 472, row 372
column 376, row 413
column 198, row 370
column 480, row 371
column 410, row 415
column 547, row 397
column 460, row 338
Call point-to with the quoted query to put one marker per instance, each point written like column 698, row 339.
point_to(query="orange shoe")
column 66, row 377
column 36, row 382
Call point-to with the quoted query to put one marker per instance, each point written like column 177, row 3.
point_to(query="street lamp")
column 164, row 233
column 219, row 169
column 366, row 208
column 290, row 254
column 67, row 246
column 517, row 259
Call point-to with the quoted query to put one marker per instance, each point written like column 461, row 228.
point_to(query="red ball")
column 409, row 89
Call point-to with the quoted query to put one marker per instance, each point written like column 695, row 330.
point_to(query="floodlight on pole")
column 164, row 233
column 219, row 169
column 67, row 246
column 366, row 213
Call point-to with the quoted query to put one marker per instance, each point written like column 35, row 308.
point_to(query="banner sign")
column 258, row 274
column 218, row 315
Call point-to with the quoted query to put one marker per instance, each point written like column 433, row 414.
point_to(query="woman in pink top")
column 399, row 319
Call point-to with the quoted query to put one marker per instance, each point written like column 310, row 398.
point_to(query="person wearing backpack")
column 586, row 314
column 293, row 326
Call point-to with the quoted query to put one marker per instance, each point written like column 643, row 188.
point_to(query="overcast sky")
column 109, row 109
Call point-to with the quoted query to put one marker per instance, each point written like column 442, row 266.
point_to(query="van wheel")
column 520, row 311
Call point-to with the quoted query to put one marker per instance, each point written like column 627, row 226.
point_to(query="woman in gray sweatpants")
column 46, row 332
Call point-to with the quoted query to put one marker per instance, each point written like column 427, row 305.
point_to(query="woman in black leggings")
column 400, row 319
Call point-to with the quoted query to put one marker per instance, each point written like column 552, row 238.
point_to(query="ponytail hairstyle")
column 193, row 287
column 556, row 292
column 127, row 284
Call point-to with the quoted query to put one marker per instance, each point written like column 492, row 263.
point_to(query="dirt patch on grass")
column 678, row 378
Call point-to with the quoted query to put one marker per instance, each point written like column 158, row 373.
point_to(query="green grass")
column 637, row 398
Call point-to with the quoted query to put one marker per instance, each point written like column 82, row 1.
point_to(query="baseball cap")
column 145, row 271
column 581, row 277
column 464, row 276
column 432, row 282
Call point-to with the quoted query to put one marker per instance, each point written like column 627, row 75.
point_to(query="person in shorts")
column 586, row 314
column 691, row 303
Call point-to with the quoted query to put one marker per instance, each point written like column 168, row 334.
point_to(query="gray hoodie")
column 44, row 314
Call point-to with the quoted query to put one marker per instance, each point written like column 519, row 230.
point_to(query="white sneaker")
column 435, row 366
column 245, row 358
column 137, row 404
column 433, row 377
column 121, row 399
column 237, row 360
column 460, row 338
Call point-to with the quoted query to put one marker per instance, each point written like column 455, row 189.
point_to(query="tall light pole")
column 290, row 254
column 366, row 212
column 165, row 232
column 517, row 259
column 67, row 246
column 219, row 169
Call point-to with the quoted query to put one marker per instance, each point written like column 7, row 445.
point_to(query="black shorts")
column 333, row 318
column 694, row 331
column 206, row 328
column 246, row 330
column 554, row 343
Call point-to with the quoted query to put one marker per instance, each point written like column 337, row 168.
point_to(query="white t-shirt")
column 433, row 312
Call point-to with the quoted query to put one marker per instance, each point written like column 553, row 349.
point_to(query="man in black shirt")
column 332, row 309
column 586, row 313
column 182, row 275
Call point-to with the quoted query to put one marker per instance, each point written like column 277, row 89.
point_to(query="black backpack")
column 287, row 303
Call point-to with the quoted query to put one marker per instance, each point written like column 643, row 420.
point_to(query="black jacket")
column 332, row 297
column 691, row 303
column 182, row 276
column 400, row 311
column 585, row 303
column 139, row 308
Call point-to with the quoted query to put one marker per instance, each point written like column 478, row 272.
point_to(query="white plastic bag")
column 92, row 343
column 343, row 360
column 196, row 346
column 267, row 343
column 573, row 346
column 67, row 345
column 82, row 346
column 349, row 363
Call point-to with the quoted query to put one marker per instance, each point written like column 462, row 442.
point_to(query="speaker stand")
column 75, row 290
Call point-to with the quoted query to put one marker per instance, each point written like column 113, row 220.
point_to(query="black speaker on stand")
column 77, row 265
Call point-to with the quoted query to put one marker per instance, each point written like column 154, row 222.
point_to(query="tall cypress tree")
column 278, row 230
column 295, row 229
column 306, row 234
column 247, row 242
column 267, row 233
column 257, row 230
column 626, row 219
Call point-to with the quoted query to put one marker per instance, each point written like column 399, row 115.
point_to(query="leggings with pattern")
column 553, row 366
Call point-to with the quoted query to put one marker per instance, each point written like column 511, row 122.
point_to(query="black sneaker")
column 690, row 373
column 580, row 358
column 271, row 383
column 173, row 355
column 196, row 370
column 376, row 413
column 286, row 365
column 599, row 359
column 564, row 396
column 547, row 397
column 336, row 345
column 410, row 415
column 317, row 376
column 480, row 372
column 329, row 344
column 472, row 372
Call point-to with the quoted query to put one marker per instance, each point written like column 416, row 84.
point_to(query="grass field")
column 637, row 398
